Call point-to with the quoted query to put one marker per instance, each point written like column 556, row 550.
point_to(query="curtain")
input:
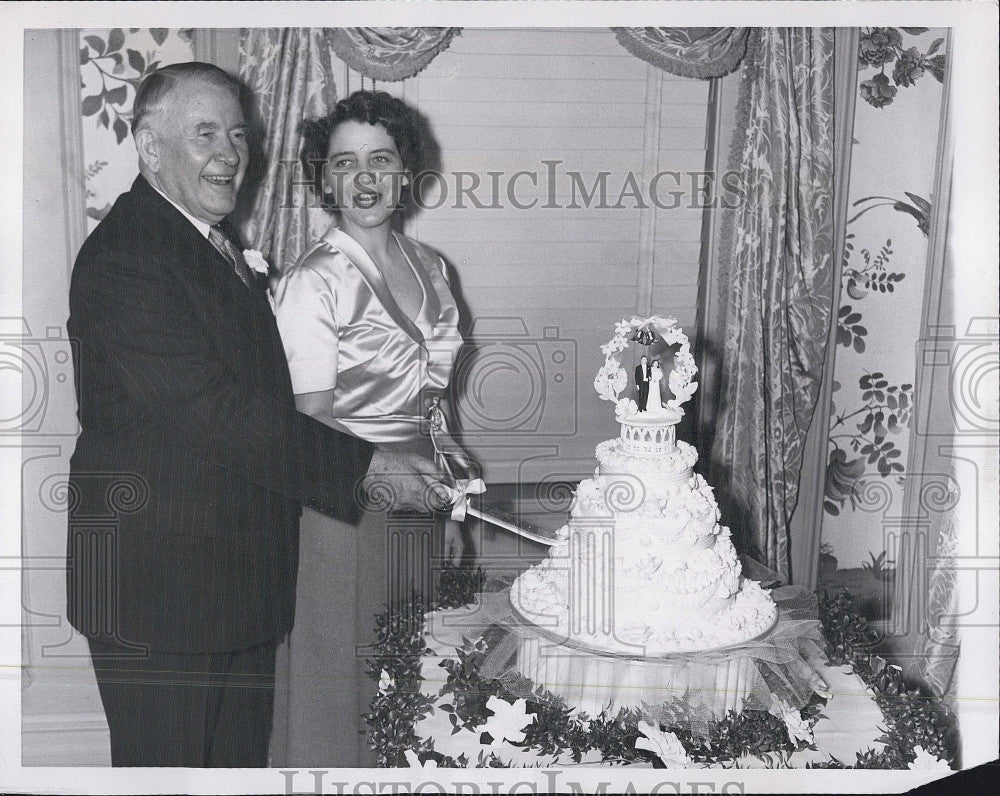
column 390, row 53
column 289, row 75
column 688, row 52
column 937, row 652
column 778, row 262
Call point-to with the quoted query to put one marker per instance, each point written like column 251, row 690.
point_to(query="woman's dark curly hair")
column 369, row 107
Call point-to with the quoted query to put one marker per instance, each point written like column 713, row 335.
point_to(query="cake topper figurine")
column 642, row 381
column 654, row 398
column 612, row 379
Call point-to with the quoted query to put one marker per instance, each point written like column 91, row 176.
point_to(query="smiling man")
column 192, row 462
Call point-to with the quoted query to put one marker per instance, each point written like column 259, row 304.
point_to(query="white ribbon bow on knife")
column 461, row 490
column 458, row 495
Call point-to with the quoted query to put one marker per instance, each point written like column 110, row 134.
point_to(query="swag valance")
column 689, row 52
column 392, row 54
column 389, row 53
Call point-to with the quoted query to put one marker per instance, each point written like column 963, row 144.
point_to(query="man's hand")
column 403, row 481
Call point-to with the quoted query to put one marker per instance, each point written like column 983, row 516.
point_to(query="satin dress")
column 343, row 331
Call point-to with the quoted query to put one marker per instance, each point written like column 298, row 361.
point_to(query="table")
column 852, row 719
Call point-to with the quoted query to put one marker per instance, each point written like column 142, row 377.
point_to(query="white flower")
column 414, row 761
column 798, row 728
column 665, row 746
column 925, row 761
column 385, row 682
column 589, row 489
column 619, row 380
column 610, row 381
column 626, row 407
column 255, row 260
column 622, row 328
column 508, row 721
column 609, row 367
column 603, row 386
column 464, row 742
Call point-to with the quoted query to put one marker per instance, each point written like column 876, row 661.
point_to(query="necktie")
column 220, row 240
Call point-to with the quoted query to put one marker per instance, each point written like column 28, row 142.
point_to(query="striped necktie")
column 220, row 240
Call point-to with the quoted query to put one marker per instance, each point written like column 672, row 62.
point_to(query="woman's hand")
column 454, row 544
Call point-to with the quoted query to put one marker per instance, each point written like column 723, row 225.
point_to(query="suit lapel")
column 218, row 296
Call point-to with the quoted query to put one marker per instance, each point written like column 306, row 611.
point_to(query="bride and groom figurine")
column 648, row 376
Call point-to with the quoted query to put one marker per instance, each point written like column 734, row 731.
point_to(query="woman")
column 369, row 327
column 654, row 398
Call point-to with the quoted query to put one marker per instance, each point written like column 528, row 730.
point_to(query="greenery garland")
column 911, row 719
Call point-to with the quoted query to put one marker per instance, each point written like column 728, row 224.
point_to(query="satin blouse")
column 343, row 331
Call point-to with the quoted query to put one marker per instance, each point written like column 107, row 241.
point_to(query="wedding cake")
column 643, row 569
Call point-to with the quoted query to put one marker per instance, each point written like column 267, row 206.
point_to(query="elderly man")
column 192, row 463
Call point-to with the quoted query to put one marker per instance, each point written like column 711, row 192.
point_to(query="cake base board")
column 562, row 640
column 781, row 662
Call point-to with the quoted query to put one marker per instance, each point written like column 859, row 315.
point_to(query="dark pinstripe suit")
column 184, row 397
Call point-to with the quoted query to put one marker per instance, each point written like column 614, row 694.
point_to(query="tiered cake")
column 643, row 570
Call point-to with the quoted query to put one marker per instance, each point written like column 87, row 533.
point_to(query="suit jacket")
column 192, row 463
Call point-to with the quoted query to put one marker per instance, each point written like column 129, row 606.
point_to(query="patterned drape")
column 289, row 74
column 779, row 268
column 937, row 652
column 389, row 53
column 688, row 52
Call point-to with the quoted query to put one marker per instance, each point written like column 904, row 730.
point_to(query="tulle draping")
column 688, row 690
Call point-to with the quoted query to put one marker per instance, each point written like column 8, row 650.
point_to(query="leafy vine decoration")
column 118, row 67
column 887, row 409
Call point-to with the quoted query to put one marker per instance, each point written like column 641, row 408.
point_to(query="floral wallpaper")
column 900, row 76
column 112, row 64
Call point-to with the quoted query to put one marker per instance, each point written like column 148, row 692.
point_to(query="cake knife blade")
column 494, row 515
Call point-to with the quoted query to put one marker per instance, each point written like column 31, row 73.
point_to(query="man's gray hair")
column 157, row 86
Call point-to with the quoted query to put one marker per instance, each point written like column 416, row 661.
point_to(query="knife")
column 494, row 515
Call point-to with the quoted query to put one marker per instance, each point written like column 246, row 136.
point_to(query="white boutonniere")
column 255, row 261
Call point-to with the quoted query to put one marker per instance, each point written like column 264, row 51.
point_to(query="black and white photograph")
column 500, row 397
